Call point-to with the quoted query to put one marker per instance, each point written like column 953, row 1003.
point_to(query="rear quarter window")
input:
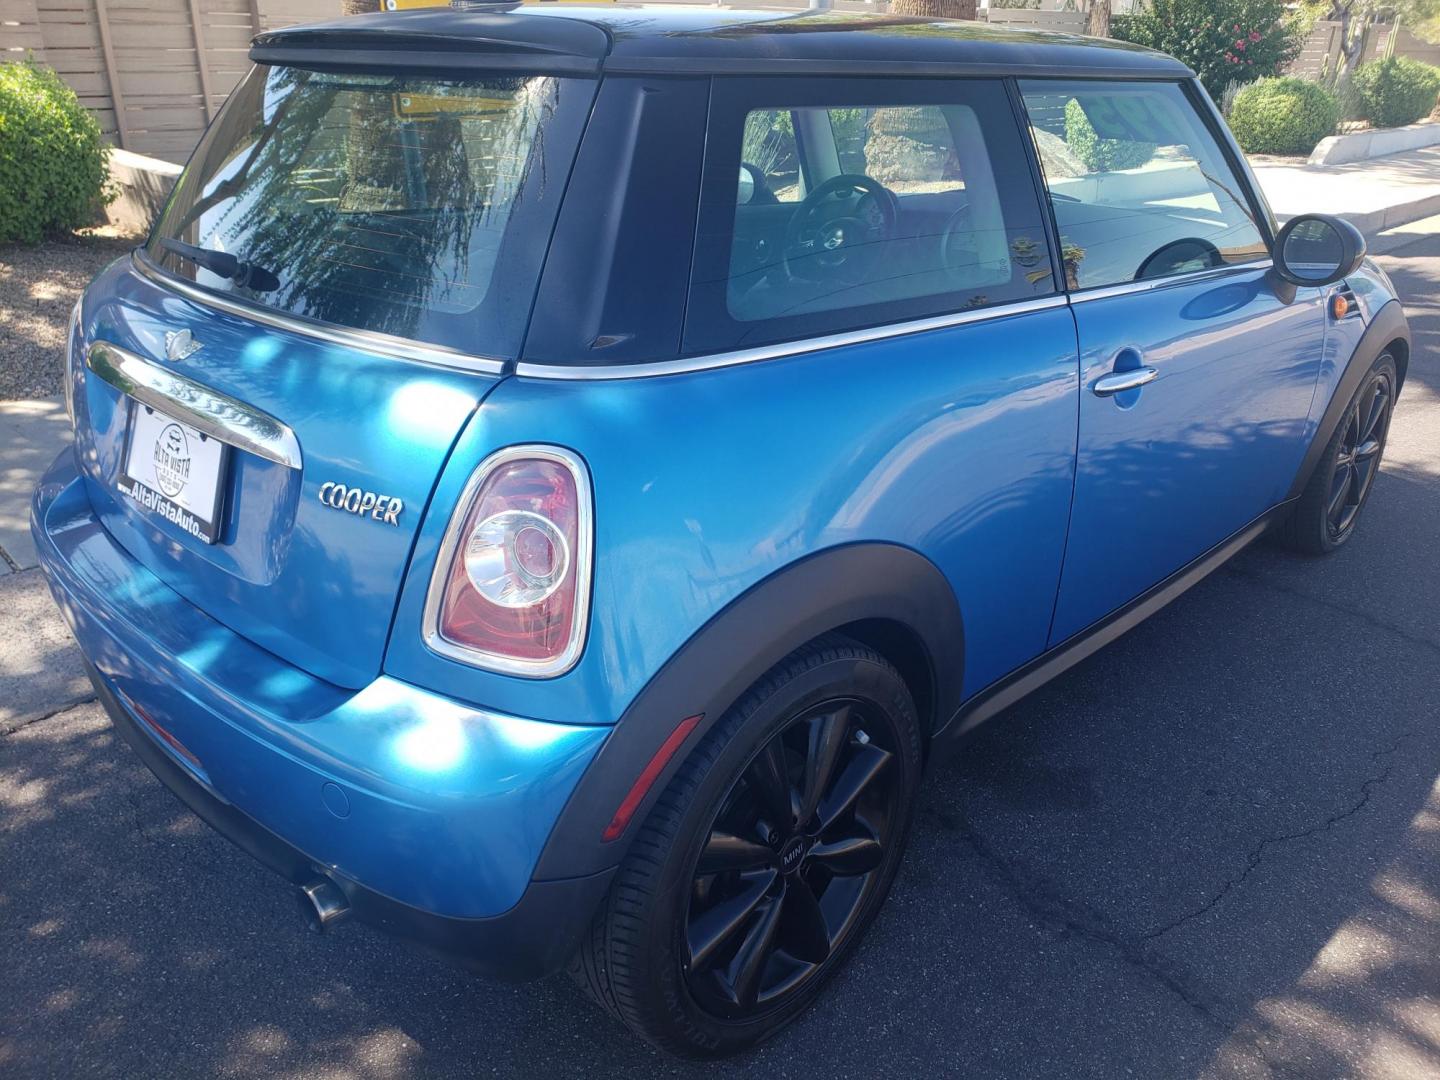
column 834, row 204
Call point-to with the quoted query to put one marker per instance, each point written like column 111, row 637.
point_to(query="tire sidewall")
column 857, row 677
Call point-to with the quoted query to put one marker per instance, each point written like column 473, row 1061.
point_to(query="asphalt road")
column 1209, row 851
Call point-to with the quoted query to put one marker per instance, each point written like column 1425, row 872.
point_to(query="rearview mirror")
column 1318, row 249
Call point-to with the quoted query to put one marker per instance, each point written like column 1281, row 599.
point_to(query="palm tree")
column 937, row 9
column 902, row 141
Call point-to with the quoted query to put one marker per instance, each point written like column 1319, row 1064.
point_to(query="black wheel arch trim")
column 874, row 587
column 1386, row 328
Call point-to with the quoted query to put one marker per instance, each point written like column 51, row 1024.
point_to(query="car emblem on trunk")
column 181, row 343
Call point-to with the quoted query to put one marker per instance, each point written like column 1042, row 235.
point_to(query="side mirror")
column 1318, row 249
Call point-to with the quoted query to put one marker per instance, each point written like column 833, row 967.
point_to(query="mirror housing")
column 747, row 186
column 1317, row 250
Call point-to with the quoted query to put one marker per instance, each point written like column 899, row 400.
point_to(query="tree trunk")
column 1098, row 24
column 369, row 168
column 936, row 9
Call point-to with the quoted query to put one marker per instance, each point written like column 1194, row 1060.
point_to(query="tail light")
column 511, row 586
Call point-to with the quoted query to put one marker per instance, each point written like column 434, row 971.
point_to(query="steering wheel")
column 957, row 243
column 838, row 232
column 1173, row 257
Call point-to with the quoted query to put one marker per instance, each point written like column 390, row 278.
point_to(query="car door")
column 886, row 251
column 1196, row 371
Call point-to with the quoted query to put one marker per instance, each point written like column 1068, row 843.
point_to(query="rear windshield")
column 416, row 207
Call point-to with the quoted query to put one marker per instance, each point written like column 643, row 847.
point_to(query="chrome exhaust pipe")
column 322, row 904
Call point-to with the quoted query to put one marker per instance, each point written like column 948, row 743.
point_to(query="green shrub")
column 1283, row 116
column 52, row 162
column 1097, row 154
column 1396, row 91
column 1223, row 41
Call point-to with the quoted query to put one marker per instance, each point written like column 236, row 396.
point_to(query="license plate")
column 174, row 471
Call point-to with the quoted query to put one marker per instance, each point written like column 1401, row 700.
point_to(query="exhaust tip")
column 322, row 904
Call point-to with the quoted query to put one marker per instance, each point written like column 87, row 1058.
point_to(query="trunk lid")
column 313, row 582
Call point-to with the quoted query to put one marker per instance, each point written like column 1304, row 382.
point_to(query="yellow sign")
column 421, row 105
column 403, row 5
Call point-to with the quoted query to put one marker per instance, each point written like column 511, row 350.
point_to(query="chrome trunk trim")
column 216, row 414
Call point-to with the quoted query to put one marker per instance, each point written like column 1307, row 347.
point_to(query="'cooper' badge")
column 362, row 503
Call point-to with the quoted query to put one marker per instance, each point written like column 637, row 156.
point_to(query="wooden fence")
column 153, row 71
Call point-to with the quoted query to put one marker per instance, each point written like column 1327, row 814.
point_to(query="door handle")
column 1117, row 382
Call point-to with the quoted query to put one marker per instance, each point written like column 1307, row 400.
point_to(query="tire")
column 1328, row 510
column 831, row 716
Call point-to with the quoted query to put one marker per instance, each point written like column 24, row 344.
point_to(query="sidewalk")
column 31, row 434
column 1374, row 195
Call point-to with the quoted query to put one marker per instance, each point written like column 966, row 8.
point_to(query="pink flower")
column 1237, row 28
column 1240, row 45
column 1254, row 35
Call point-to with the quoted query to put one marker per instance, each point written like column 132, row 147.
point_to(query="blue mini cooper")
column 554, row 477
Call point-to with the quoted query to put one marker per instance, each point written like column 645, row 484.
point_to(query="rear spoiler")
column 438, row 40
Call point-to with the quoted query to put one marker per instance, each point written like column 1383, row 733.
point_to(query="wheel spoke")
column 850, row 856
column 867, row 763
column 1369, row 429
column 742, row 976
column 726, row 851
column 710, row 930
column 1352, row 429
column 1342, row 492
column 804, row 932
column 828, row 736
column 1367, row 449
column 772, row 784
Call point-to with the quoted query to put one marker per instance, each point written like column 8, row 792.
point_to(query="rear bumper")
column 428, row 814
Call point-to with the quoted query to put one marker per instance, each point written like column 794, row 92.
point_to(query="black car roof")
column 668, row 38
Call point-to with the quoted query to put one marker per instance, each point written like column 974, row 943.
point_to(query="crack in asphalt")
column 1047, row 905
column 1257, row 854
column 1331, row 605
column 10, row 729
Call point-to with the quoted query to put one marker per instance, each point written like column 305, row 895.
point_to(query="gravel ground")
column 38, row 286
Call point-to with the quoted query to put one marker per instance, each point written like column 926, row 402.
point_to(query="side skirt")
column 999, row 696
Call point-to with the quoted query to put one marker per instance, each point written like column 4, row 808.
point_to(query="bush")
column 1224, row 41
column 1283, row 116
column 52, row 162
column 1396, row 91
column 1097, row 154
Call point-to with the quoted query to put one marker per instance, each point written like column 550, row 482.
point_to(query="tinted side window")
column 859, row 203
column 1139, row 185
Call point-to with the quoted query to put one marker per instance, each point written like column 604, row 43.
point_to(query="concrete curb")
column 1364, row 145
column 1371, row 222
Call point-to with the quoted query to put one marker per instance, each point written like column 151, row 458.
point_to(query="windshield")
column 417, row 207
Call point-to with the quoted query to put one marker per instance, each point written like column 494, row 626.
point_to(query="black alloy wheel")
column 1328, row 510
column 769, row 852
column 791, row 858
column 1357, row 458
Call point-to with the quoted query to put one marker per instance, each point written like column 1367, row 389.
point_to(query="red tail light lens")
column 511, row 588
